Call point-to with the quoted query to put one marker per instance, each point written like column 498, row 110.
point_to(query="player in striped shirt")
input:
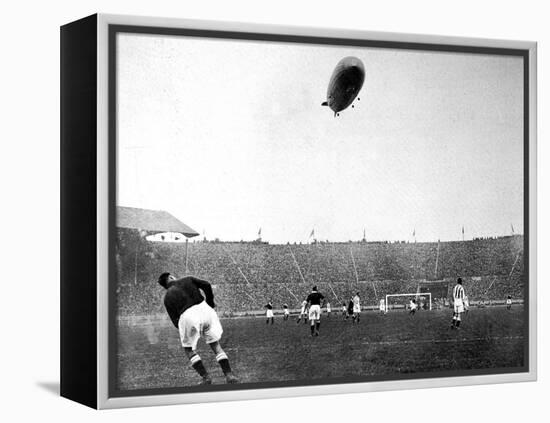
column 458, row 301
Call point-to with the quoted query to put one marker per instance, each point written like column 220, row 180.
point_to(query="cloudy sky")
column 229, row 136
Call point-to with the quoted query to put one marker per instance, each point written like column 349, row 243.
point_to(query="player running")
column 303, row 312
column 328, row 309
column 356, row 308
column 269, row 313
column 458, row 301
column 314, row 302
column 509, row 302
column 194, row 317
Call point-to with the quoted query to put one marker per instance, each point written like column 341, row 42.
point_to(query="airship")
column 345, row 83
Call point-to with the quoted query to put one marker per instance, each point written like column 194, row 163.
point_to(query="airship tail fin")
column 324, row 103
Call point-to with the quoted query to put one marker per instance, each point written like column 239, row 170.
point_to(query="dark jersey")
column 184, row 293
column 269, row 306
column 315, row 298
column 350, row 307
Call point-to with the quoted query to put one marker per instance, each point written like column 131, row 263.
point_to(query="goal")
column 401, row 301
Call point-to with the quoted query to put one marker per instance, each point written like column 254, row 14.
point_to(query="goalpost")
column 415, row 295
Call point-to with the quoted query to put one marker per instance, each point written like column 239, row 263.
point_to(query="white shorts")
column 459, row 306
column 356, row 308
column 315, row 312
column 303, row 311
column 286, row 312
column 199, row 321
column 269, row 314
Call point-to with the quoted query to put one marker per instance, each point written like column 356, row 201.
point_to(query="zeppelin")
column 345, row 83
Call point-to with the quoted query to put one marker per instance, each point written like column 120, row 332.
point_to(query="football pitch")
column 150, row 354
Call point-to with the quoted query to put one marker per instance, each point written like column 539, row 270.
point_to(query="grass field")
column 150, row 354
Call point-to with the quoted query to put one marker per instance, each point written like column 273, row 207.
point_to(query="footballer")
column 314, row 300
column 286, row 313
column 303, row 312
column 356, row 308
column 458, row 301
column 195, row 318
column 412, row 306
column 269, row 313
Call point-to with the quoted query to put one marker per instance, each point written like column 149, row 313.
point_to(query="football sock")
column 312, row 327
column 317, row 325
column 223, row 361
column 196, row 362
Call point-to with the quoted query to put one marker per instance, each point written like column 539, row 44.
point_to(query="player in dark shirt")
column 350, row 308
column 194, row 316
column 314, row 300
column 269, row 313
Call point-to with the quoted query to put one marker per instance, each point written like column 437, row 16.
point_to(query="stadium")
column 246, row 275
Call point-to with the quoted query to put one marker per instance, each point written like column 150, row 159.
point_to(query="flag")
column 364, row 234
column 414, row 232
column 462, row 230
column 312, row 234
column 260, row 232
column 512, row 226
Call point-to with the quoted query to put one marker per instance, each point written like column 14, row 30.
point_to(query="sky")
column 229, row 136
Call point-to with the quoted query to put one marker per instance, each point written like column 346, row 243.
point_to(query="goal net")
column 423, row 301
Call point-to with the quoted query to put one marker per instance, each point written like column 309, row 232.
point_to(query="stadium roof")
column 153, row 221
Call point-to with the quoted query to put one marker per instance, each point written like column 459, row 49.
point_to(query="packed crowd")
column 246, row 275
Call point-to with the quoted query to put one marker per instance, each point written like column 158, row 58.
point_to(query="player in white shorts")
column 303, row 312
column 466, row 303
column 286, row 313
column 356, row 308
column 314, row 300
column 458, row 303
column 269, row 313
column 195, row 318
column 328, row 309
column 509, row 302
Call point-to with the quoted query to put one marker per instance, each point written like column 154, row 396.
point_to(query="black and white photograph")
column 296, row 211
column 275, row 212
